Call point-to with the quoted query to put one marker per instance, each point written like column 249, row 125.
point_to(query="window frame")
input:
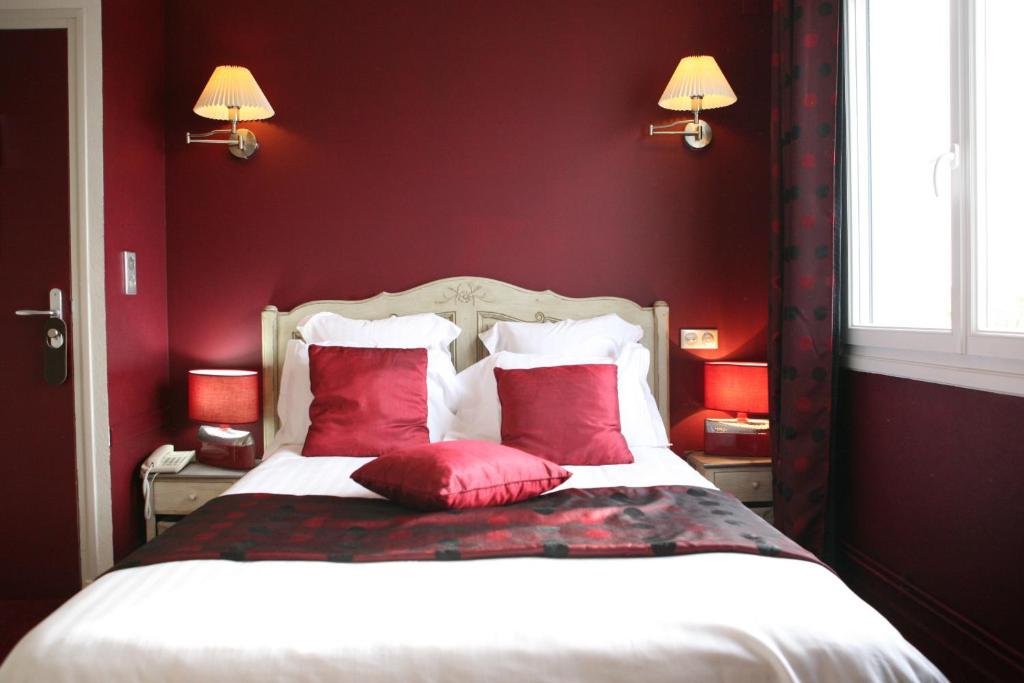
column 962, row 355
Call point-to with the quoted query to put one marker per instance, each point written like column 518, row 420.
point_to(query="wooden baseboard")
column 962, row 649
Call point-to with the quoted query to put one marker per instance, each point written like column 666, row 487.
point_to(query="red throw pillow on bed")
column 568, row 414
column 459, row 474
column 366, row 401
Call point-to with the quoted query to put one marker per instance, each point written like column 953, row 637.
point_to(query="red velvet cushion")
column 459, row 474
column 568, row 414
column 366, row 401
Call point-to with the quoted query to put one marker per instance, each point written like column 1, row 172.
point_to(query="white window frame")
column 963, row 355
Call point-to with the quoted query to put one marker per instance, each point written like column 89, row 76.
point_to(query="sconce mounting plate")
column 246, row 144
column 697, row 134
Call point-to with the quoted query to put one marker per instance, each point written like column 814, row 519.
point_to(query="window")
column 935, row 210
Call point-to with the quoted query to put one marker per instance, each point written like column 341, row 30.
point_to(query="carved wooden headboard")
column 474, row 304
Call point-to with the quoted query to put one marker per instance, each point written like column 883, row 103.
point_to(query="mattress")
column 704, row 617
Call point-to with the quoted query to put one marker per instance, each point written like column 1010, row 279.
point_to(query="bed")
column 701, row 617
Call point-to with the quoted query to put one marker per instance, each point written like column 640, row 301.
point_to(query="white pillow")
column 295, row 394
column 479, row 411
column 604, row 335
column 419, row 331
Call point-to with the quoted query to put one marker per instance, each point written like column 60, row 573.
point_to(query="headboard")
column 474, row 304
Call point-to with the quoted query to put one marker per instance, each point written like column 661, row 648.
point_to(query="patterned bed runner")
column 605, row 522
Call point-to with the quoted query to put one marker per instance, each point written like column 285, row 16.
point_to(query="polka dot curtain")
column 804, row 313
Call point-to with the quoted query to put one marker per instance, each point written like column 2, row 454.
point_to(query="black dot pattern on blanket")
column 574, row 523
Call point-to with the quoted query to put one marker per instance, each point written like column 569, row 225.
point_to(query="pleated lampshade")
column 233, row 86
column 698, row 76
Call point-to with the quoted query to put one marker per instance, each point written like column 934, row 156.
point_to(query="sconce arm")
column 694, row 132
column 241, row 142
column 198, row 138
column 659, row 130
column 234, row 138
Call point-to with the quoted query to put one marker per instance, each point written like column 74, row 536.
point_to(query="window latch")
column 953, row 156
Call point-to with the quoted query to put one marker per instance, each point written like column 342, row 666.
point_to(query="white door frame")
column 82, row 20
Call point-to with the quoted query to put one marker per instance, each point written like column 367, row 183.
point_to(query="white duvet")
column 705, row 617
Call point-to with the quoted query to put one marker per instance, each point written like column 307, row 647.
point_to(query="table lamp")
column 224, row 398
column 741, row 388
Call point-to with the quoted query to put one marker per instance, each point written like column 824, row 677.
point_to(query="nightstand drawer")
column 176, row 495
column 183, row 497
column 747, row 485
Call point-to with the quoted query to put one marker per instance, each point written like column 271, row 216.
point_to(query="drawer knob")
column 191, row 496
column 755, row 484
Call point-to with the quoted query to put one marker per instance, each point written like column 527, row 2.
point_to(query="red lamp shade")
column 738, row 387
column 223, row 397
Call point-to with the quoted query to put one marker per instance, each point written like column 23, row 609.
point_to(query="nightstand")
column 176, row 495
column 749, row 479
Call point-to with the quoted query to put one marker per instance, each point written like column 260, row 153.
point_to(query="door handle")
column 55, row 332
column 56, row 306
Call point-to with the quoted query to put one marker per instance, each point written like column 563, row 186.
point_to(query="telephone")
column 164, row 460
column 167, row 460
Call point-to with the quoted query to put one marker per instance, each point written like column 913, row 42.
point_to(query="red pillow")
column 459, row 474
column 568, row 414
column 366, row 401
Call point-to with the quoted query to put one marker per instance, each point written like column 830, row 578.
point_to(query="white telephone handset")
column 164, row 460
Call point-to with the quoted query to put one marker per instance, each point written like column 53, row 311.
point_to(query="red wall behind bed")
column 419, row 140
column 134, row 213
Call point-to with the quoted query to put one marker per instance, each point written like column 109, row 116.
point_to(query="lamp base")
column 233, row 449
column 737, row 438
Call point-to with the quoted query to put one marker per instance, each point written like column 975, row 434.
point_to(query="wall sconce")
column 232, row 94
column 697, row 84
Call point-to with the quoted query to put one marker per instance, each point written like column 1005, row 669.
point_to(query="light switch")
column 129, row 267
column 703, row 338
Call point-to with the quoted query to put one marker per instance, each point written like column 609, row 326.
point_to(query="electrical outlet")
column 131, row 282
column 705, row 338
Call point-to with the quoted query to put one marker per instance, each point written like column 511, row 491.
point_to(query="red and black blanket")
column 605, row 522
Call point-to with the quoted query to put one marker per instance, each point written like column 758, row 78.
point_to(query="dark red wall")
column 931, row 489
column 419, row 140
column 135, row 220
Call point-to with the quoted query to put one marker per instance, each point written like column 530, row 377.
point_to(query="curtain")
column 805, row 250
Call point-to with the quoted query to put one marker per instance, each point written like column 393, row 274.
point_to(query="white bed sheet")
column 704, row 617
column 286, row 471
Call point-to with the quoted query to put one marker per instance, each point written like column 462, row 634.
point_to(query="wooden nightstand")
column 176, row 495
column 749, row 479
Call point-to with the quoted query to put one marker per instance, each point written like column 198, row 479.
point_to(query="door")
column 38, row 490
